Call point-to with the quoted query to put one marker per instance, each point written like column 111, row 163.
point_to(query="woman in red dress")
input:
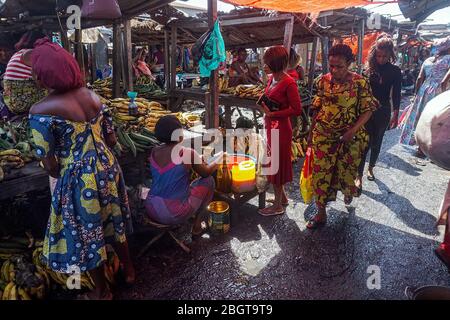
column 282, row 90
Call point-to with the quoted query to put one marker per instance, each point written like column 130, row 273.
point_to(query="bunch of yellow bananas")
column 296, row 151
column 14, row 290
column 103, row 87
column 249, row 91
column 11, row 158
column 222, row 83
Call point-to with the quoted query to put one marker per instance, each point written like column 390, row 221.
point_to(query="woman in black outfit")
column 386, row 82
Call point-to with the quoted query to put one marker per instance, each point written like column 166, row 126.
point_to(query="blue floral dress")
column 89, row 205
column 434, row 73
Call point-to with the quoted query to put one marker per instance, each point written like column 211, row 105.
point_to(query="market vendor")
column 172, row 199
column 20, row 90
column 73, row 134
column 240, row 72
column 295, row 70
column 140, row 66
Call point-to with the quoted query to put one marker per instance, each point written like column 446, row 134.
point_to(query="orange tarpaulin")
column 369, row 39
column 301, row 5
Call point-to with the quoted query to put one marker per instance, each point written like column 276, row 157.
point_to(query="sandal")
column 273, row 213
column 314, row 223
column 370, row 177
column 348, row 200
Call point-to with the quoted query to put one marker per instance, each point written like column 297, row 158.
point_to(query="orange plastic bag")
column 306, row 185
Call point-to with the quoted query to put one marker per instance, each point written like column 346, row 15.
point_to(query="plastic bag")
column 199, row 45
column 433, row 130
column 213, row 52
column 101, row 9
column 306, row 185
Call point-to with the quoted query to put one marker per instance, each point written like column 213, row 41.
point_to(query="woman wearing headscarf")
column 429, row 85
column 386, row 84
column 73, row 134
column 20, row 90
column 342, row 106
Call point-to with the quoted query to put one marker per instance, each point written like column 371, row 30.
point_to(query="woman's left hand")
column 348, row 136
column 394, row 121
column 266, row 110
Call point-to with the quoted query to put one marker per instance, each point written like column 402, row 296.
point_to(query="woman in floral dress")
column 73, row 134
column 429, row 85
column 342, row 105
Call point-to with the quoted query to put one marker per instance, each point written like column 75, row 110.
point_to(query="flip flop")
column 274, row 213
column 370, row 177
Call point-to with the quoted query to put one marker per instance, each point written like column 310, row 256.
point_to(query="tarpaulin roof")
column 301, row 5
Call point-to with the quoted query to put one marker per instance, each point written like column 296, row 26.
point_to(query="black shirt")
column 386, row 78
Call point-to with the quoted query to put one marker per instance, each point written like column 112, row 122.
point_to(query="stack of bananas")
column 15, row 146
column 103, row 87
column 222, row 83
column 188, row 119
column 11, row 158
column 249, row 91
column 296, row 151
column 149, row 112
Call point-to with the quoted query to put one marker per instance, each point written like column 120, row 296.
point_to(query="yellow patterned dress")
column 338, row 108
column 89, row 206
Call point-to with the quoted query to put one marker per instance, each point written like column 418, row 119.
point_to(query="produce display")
column 249, row 91
column 23, row 276
column 15, row 146
column 146, row 87
column 103, row 87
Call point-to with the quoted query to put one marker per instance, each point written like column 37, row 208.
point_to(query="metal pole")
column 312, row 63
column 325, row 48
column 360, row 45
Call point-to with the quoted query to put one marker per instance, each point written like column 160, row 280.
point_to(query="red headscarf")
column 54, row 67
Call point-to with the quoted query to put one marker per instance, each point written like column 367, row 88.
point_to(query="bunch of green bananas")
column 137, row 142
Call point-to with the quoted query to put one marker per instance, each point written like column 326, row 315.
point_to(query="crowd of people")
column 74, row 135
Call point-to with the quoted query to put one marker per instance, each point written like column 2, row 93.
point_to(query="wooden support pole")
column 79, row 50
column 173, row 62
column 312, row 63
column 65, row 41
column 116, row 60
column 128, row 46
column 93, row 64
column 167, row 81
column 360, row 45
column 213, row 80
column 288, row 31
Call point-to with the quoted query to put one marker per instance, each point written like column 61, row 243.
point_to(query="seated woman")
column 172, row 199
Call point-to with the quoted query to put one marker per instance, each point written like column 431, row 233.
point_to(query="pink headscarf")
column 55, row 67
